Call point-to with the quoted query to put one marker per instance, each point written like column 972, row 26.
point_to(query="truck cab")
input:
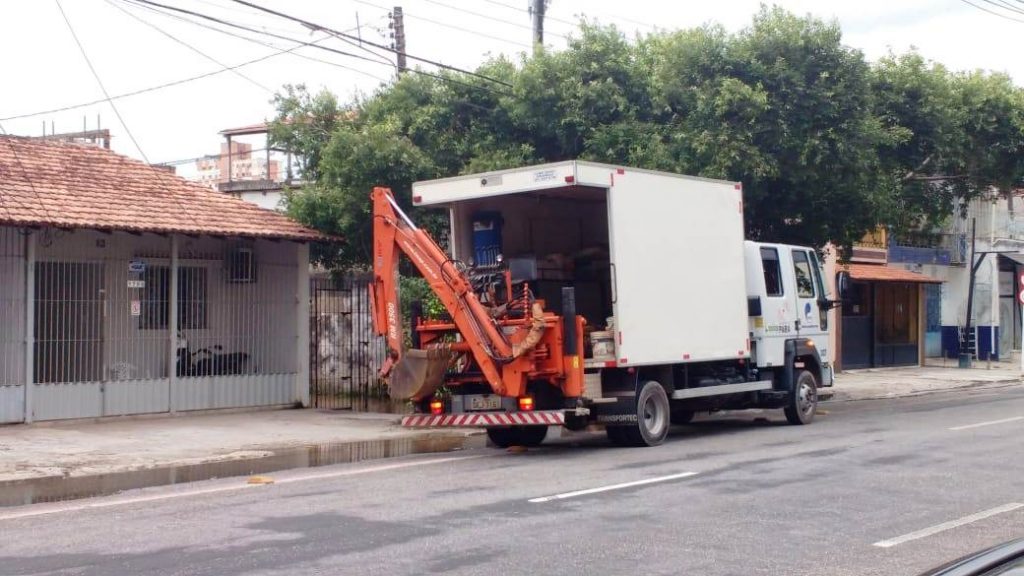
column 788, row 304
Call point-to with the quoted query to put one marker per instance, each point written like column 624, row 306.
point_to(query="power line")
column 486, row 16
column 248, row 29
column 526, row 11
column 1006, row 5
column 982, row 8
column 548, row 16
column 152, row 88
column 452, row 26
column 314, row 26
column 415, row 71
column 189, row 46
column 378, row 56
column 99, row 81
column 300, row 43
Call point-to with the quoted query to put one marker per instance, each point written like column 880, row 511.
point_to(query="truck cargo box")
column 656, row 258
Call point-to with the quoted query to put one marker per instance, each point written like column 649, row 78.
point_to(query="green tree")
column 826, row 145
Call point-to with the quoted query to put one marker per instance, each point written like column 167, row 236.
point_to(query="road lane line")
column 989, row 423
column 924, row 533
column 72, row 506
column 576, row 493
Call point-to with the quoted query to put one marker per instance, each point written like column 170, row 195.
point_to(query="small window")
column 156, row 310
column 804, row 277
column 772, row 271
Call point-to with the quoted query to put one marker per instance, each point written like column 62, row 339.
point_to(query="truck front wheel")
column 653, row 415
column 803, row 401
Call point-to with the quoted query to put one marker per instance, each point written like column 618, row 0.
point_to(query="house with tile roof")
column 125, row 289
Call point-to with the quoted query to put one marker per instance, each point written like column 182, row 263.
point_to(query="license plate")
column 483, row 402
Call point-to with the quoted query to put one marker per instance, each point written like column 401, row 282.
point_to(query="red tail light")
column 436, row 407
column 525, row 404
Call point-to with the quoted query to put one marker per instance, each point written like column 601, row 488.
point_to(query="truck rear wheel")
column 653, row 415
column 517, row 436
column 803, row 401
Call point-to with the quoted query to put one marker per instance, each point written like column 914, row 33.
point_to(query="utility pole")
column 397, row 25
column 537, row 11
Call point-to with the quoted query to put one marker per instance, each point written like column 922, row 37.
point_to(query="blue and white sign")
column 136, row 266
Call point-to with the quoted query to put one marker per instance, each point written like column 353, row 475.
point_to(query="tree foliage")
column 827, row 145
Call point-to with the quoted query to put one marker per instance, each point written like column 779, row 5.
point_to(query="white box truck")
column 585, row 294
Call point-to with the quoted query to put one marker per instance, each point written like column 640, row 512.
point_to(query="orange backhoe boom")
column 394, row 233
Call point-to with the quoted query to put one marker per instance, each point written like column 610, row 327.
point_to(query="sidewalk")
column 75, row 449
column 90, row 448
column 935, row 376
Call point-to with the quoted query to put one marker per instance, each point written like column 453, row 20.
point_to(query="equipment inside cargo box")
column 486, row 238
column 552, row 240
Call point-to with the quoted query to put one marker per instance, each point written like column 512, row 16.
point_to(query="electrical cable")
column 189, row 46
column 488, row 17
column 1005, row 4
column 412, row 70
column 99, row 81
column 151, row 88
column 248, row 29
column 993, row 12
column 301, row 43
column 318, row 27
column 570, row 23
column 447, row 25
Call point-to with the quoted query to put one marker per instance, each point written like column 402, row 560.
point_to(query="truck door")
column 811, row 319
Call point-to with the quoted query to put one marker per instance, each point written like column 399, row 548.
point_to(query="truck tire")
column 532, row 435
column 803, row 402
column 653, row 415
column 517, row 436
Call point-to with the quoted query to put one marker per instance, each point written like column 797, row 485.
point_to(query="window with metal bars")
column 192, row 297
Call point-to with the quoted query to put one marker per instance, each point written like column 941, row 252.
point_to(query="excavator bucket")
column 419, row 373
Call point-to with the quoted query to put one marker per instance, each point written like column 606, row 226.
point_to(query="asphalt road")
column 872, row 487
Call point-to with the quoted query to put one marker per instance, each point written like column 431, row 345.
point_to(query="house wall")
column 103, row 326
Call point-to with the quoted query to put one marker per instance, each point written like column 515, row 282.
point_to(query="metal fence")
column 115, row 331
column 12, row 324
column 345, row 353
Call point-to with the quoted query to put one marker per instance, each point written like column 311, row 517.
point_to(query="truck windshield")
column 772, row 271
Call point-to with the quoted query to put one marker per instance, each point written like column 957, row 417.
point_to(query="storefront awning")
column 1016, row 257
column 878, row 273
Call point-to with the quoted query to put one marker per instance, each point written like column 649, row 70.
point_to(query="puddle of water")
column 58, row 488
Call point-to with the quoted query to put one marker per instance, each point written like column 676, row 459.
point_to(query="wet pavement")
column 59, row 488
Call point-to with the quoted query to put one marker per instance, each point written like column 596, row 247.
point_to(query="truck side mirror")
column 843, row 285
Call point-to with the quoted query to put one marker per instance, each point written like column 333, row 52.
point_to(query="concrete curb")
column 832, row 396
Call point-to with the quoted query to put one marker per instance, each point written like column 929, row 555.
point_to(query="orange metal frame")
column 487, row 341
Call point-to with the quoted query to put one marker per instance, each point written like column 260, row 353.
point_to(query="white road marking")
column 576, row 493
column 924, row 533
column 43, row 509
column 989, row 423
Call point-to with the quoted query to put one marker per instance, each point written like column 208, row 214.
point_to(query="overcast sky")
column 43, row 69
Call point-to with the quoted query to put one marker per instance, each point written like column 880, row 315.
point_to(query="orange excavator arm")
column 393, row 234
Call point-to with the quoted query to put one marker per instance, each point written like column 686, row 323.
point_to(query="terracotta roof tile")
column 62, row 184
column 878, row 273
